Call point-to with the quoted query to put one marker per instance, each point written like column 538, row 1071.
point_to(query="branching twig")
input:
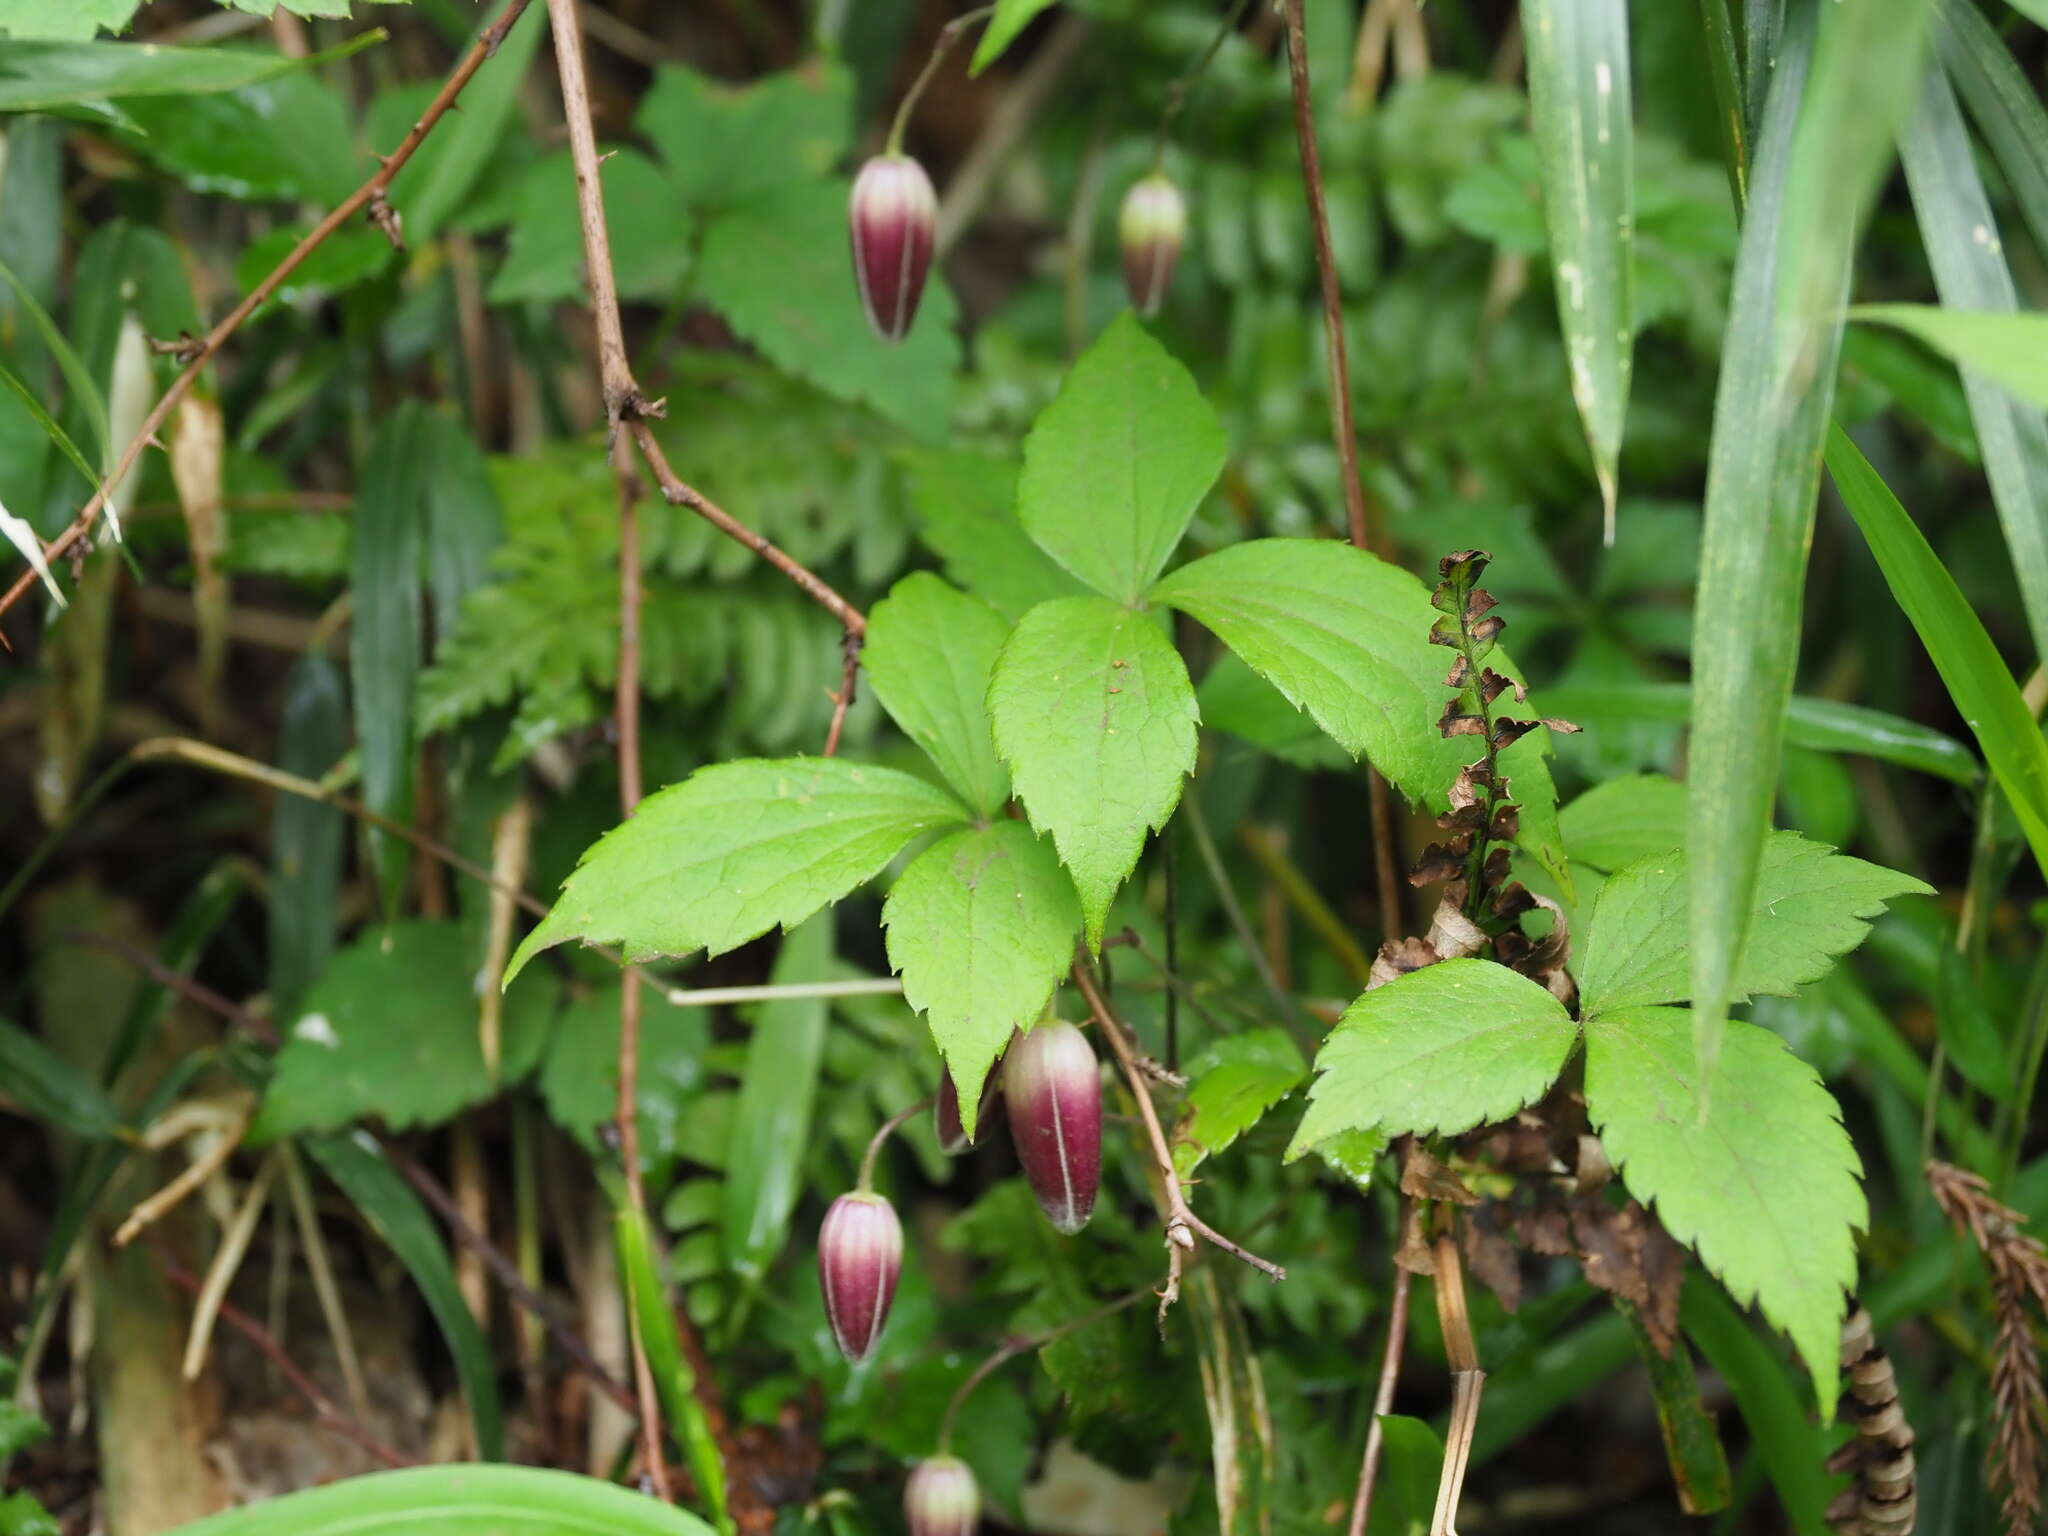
column 370, row 195
column 1183, row 1226
column 1383, row 1399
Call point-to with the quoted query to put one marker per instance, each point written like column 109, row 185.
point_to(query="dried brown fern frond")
column 2019, row 1269
column 1884, row 1498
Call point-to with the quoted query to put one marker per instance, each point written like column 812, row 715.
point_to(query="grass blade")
column 1818, row 156
column 1976, row 676
column 1580, row 104
column 397, row 1216
column 76, row 375
column 1970, row 273
column 2006, row 106
column 655, row 1325
column 1725, row 69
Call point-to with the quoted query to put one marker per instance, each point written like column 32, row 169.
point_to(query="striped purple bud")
column 941, row 1498
column 1055, row 1104
column 1150, row 227
column 892, row 218
column 860, row 1254
column 953, row 1138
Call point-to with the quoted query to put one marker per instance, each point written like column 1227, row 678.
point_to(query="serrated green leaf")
column 967, row 515
column 1765, row 1188
column 1236, row 699
column 1231, row 1086
column 1115, row 467
column 460, row 1500
column 650, row 231
column 929, row 654
column 737, row 849
column 44, row 76
column 1011, row 18
column 389, row 1030
column 1095, row 715
column 771, row 1128
column 1614, row 824
column 723, row 144
column 1581, row 108
column 65, row 20
column 1810, row 907
column 982, row 926
column 1441, row 1049
column 1824, row 142
column 777, row 268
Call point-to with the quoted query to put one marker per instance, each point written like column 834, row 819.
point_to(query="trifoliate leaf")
column 982, row 924
column 65, row 20
column 1115, row 467
column 1441, row 1049
column 1231, row 1086
column 967, row 515
column 389, row 1031
column 723, row 144
column 1614, row 824
column 1095, row 715
column 929, row 654
column 1811, row 906
column 1765, row 1187
column 735, row 850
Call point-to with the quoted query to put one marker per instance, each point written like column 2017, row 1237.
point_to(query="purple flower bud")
column 893, row 215
column 941, row 1498
column 952, row 1138
column 1055, row 1098
column 1150, row 227
column 860, row 1254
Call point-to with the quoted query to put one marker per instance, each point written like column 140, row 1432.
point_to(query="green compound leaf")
column 650, row 233
column 1115, row 467
column 929, row 654
column 723, row 144
column 1010, row 19
column 1809, row 907
column 1441, row 1049
column 981, row 925
column 1581, row 107
column 462, row 1500
column 1764, row 1188
column 1231, row 1086
column 389, row 1030
column 1614, row 824
column 735, row 850
column 1095, row 715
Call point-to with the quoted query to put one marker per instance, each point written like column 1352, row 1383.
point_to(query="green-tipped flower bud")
column 892, row 218
column 860, row 1254
column 941, row 1498
column 1054, row 1092
column 1151, row 226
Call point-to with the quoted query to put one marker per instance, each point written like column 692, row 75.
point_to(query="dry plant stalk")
column 2019, row 1269
column 1884, row 1498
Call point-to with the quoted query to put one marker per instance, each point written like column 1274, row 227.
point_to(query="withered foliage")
column 1482, row 906
column 2019, row 1270
column 1883, row 1499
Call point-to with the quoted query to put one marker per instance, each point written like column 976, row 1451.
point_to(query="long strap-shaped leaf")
column 1581, row 105
column 1825, row 132
column 2005, row 104
column 1977, row 678
column 1970, row 273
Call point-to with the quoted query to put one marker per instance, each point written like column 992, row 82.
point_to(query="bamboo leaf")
column 1956, row 641
column 1825, row 132
column 1580, row 104
column 2005, row 104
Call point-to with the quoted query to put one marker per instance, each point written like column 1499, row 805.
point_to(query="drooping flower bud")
column 953, row 1138
column 1150, row 227
column 941, row 1498
column 892, row 217
column 1055, row 1105
column 860, row 1254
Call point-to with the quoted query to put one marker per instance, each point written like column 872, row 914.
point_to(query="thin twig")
column 849, row 677
column 1383, row 1400
column 888, row 1128
column 1363, row 518
column 949, row 34
column 370, row 195
column 325, row 1410
column 1183, row 1226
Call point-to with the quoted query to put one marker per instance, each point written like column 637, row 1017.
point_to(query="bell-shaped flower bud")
column 860, row 1254
column 892, row 217
column 1150, row 227
column 941, row 1498
column 953, row 1139
column 1055, row 1104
